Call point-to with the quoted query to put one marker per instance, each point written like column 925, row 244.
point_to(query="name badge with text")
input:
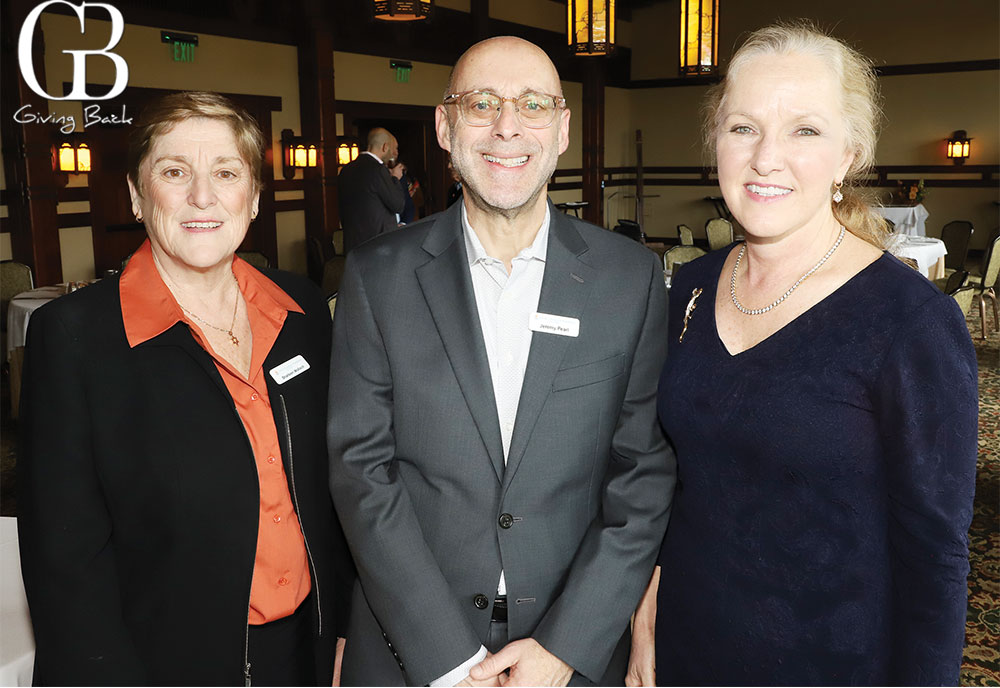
column 289, row 369
column 554, row 324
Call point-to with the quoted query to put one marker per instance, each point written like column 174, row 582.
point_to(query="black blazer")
column 369, row 200
column 139, row 496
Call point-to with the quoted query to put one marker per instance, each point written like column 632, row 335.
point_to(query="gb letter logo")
column 79, row 91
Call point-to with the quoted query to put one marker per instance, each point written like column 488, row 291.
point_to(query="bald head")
column 479, row 62
column 383, row 144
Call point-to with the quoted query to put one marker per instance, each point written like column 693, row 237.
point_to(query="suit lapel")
column 565, row 288
column 447, row 288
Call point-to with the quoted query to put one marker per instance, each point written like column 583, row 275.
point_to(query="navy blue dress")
column 826, row 476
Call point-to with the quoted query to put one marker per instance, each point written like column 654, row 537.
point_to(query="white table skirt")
column 927, row 251
column 17, row 642
column 910, row 220
column 20, row 309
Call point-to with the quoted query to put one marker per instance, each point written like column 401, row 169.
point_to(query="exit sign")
column 183, row 52
column 181, row 45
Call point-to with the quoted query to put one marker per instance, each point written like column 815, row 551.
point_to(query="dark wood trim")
column 938, row 67
column 593, row 139
column 70, row 194
column 287, row 185
column 74, row 220
column 290, row 205
column 27, row 156
column 885, row 70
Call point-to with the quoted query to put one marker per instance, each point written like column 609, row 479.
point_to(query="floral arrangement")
column 909, row 193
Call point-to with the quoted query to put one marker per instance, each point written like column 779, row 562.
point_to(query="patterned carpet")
column 981, row 665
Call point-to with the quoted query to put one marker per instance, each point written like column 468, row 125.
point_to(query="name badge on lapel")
column 286, row 371
column 554, row 324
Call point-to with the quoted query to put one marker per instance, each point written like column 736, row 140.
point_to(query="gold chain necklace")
column 236, row 306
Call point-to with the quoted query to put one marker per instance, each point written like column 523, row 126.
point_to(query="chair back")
column 255, row 258
column 991, row 265
column 719, row 232
column 686, row 235
column 331, row 303
column 956, row 235
column 680, row 254
column 14, row 278
column 630, row 229
column 958, row 289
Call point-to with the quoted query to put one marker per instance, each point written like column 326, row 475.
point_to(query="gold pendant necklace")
column 235, row 340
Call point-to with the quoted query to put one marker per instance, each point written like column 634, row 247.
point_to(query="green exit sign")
column 183, row 52
column 180, row 45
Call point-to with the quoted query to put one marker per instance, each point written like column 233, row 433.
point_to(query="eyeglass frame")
column 455, row 99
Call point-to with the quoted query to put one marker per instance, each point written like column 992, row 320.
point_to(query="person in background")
column 410, row 185
column 495, row 456
column 370, row 197
column 175, row 526
column 821, row 397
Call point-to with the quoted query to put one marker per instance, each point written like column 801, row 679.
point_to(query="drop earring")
column 837, row 195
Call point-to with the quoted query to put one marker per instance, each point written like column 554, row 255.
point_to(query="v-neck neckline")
column 781, row 331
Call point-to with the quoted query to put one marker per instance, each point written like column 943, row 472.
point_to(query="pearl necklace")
column 757, row 311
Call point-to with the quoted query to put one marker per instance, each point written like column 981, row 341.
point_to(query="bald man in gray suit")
column 496, row 459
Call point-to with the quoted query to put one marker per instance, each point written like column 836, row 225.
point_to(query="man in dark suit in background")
column 371, row 197
column 495, row 455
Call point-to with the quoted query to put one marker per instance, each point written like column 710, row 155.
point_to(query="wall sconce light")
column 73, row 158
column 699, row 37
column 297, row 153
column 590, row 26
column 347, row 152
column 402, row 10
column 959, row 147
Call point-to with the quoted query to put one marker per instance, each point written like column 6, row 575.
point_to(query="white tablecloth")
column 911, row 220
column 17, row 643
column 927, row 251
column 20, row 309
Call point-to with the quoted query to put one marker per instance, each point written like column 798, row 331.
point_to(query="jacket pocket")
column 589, row 373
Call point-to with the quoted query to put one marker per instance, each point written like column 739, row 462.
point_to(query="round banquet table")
column 927, row 251
column 20, row 309
column 17, row 642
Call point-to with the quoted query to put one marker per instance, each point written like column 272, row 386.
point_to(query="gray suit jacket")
column 369, row 200
column 417, row 469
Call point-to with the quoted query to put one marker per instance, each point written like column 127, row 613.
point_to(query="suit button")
column 481, row 601
column 506, row 521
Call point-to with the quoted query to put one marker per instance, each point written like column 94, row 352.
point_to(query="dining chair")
column 331, row 303
column 963, row 292
column 686, row 235
column 719, row 232
column 986, row 288
column 14, row 278
column 956, row 235
column 255, row 258
column 680, row 254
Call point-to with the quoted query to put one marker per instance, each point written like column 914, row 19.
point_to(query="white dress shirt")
column 505, row 303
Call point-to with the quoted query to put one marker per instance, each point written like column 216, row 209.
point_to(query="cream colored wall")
column 368, row 78
column 888, row 31
column 921, row 110
column 220, row 64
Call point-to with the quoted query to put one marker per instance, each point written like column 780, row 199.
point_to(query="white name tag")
column 289, row 369
column 554, row 324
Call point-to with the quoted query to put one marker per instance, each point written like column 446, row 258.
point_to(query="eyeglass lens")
column 533, row 109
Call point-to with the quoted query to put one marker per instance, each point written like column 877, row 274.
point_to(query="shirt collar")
column 149, row 308
column 374, row 156
column 476, row 252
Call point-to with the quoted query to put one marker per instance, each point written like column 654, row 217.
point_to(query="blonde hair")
column 861, row 108
column 161, row 115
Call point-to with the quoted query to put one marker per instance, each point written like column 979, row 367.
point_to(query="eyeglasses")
column 482, row 108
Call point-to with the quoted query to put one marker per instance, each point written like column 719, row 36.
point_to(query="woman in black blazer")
column 176, row 525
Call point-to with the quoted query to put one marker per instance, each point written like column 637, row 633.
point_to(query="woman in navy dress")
column 821, row 397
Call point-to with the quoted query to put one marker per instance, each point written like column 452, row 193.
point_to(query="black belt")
column 500, row 609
